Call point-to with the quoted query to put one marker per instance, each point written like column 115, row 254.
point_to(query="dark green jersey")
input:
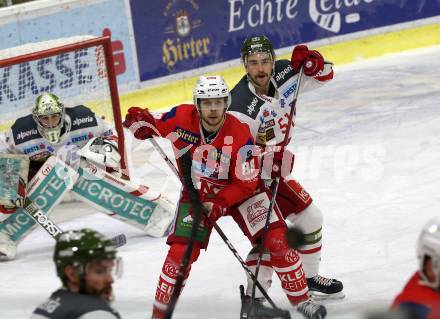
column 63, row 304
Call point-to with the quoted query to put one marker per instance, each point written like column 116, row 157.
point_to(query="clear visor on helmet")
column 213, row 103
column 105, row 268
column 258, row 58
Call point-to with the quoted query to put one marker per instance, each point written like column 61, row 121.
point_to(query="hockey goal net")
column 79, row 70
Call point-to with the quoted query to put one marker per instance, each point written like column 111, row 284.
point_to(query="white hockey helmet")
column 429, row 246
column 48, row 104
column 211, row 87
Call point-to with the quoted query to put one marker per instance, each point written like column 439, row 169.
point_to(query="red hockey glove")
column 141, row 131
column 282, row 162
column 312, row 60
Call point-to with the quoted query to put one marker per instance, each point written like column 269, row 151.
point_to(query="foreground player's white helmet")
column 429, row 246
column 210, row 87
column 48, row 104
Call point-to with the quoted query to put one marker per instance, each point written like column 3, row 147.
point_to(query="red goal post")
column 79, row 70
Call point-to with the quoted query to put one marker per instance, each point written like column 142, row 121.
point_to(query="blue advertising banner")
column 178, row 35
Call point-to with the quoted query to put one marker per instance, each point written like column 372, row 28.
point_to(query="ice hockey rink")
column 368, row 150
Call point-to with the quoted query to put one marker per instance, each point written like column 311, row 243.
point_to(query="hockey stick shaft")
column 53, row 229
column 276, row 183
column 164, row 156
column 219, row 231
column 197, row 210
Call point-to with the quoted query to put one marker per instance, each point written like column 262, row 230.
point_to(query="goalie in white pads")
column 56, row 140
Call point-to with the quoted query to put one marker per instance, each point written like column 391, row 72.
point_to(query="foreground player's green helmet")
column 254, row 45
column 48, row 104
column 80, row 247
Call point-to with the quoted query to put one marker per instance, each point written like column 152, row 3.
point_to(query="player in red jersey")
column 421, row 296
column 226, row 166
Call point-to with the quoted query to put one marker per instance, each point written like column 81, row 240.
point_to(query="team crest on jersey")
column 256, row 213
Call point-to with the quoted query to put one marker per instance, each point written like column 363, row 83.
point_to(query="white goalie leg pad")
column 8, row 248
column 14, row 170
column 124, row 200
column 161, row 219
column 310, row 222
column 46, row 189
column 264, row 273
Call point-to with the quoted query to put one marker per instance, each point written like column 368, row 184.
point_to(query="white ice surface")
column 367, row 149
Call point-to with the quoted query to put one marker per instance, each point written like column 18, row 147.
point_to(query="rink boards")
column 163, row 96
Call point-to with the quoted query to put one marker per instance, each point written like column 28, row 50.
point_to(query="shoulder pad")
column 244, row 101
column 24, row 129
column 81, row 117
column 283, row 72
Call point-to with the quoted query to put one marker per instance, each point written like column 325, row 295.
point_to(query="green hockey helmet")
column 254, row 45
column 80, row 247
column 48, row 104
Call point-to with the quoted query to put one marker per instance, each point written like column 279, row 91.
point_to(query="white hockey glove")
column 101, row 150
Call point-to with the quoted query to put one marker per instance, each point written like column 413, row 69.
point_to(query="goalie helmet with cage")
column 211, row 87
column 255, row 45
column 79, row 248
column 429, row 247
column 48, row 107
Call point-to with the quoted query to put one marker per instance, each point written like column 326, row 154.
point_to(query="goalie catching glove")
column 102, row 150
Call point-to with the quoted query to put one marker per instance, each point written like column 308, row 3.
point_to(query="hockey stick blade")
column 53, row 229
column 41, row 218
column 119, row 240
column 259, row 310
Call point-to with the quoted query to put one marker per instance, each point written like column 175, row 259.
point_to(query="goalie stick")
column 191, row 189
column 48, row 225
column 274, row 186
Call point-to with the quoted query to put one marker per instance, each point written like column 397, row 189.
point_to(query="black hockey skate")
column 311, row 310
column 321, row 288
column 260, row 311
